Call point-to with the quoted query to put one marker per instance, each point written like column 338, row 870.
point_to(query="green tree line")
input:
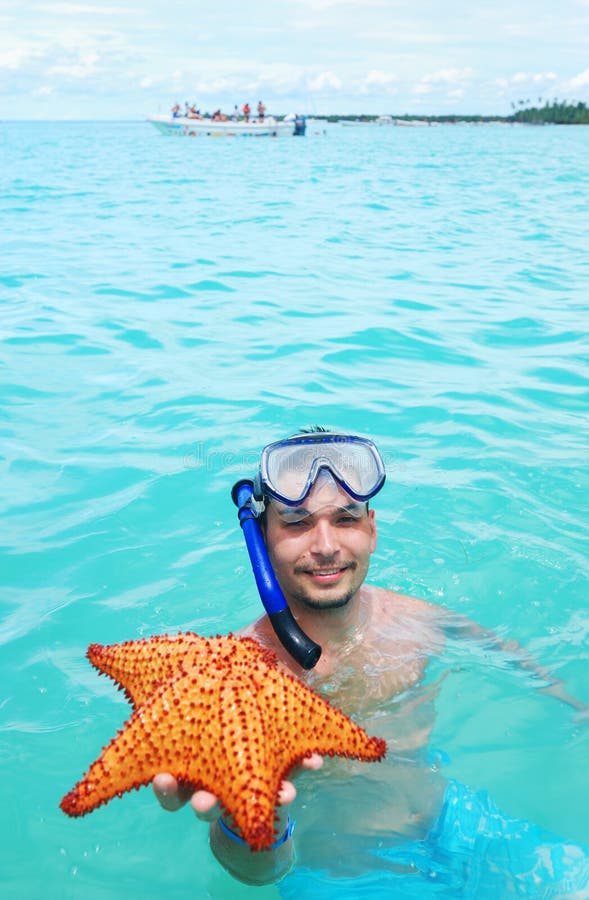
column 557, row 112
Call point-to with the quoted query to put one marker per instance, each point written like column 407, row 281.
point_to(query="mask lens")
column 288, row 470
column 354, row 465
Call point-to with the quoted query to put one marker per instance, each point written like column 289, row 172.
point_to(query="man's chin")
column 324, row 602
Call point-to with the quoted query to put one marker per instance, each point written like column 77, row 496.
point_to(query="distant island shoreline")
column 555, row 113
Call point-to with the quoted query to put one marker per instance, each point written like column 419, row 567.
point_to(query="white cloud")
column 525, row 79
column 533, row 77
column 79, row 9
column 321, row 5
column 84, row 67
column 15, row 58
column 278, row 78
column 218, row 75
column 231, row 78
column 448, row 76
column 323, row 81
column 379, row 79
column 454, row 79
column 581, row 80
column 376, row 82
column 401, row 34
column 215, row 86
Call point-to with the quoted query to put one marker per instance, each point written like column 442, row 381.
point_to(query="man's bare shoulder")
column 393, row 603
column 261, row 630
column 401, row 618
column 256, row 629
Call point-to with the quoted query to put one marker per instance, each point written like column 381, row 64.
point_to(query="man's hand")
column 235, row 857
column 173, row 796
column 170, row 794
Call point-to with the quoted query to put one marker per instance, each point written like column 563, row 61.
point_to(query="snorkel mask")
column 288, row 470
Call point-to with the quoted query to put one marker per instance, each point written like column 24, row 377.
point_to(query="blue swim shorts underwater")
column 472, row 852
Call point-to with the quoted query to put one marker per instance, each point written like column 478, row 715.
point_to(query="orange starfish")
column 218, row 714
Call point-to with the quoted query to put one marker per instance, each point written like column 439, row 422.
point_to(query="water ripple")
column 168, row 308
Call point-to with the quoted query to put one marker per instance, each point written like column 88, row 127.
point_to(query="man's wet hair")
column 313, row 429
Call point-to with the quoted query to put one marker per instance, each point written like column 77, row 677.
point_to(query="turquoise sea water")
column 169, row 306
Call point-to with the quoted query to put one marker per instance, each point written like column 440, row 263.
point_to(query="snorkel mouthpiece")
column 300, row 646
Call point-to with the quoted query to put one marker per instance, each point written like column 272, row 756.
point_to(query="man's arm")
column 261, row 867
column 457, row 626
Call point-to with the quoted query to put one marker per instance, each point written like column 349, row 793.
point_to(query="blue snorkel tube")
column 304, row 650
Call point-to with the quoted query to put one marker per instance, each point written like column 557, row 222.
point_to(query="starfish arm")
column 165, row 734
column 247, row 753
column 307, row 724
column 140, row 667
column 130, row 760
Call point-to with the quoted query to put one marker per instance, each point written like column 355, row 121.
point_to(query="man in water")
column 314, row 491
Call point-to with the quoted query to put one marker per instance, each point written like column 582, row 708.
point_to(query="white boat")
column 414, row 123
column 184, row 126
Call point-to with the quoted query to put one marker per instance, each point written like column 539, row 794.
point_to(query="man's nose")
column 324, row 539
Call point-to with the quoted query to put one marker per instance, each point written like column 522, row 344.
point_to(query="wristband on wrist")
column 239, row 840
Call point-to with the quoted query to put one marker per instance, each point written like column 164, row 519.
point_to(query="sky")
column 126, row 59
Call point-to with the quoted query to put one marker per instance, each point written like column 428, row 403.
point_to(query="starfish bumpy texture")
column 218, row 714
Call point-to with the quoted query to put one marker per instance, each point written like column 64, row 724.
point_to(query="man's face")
column 321, row 550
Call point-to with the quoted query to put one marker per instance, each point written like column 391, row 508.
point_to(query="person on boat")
column 261, row 111
column 314, row 491
column 176, row 111
column 246, row 111
column 235, row 115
